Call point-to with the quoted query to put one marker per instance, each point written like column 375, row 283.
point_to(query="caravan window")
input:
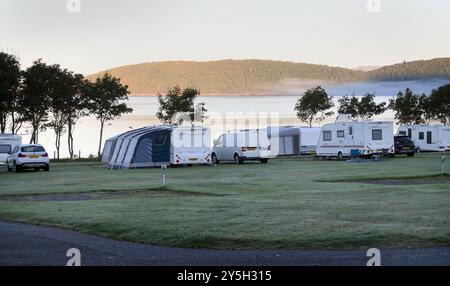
column 350, row 130
column 421, row 136
column 326, row 135
column 340, row 134
column 402, row 133
column 377, row 134
column 5, row 148
column 160, row 140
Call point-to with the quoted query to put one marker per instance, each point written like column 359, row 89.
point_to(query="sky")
column 101, row 34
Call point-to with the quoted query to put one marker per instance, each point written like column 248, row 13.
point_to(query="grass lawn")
column 288, row 203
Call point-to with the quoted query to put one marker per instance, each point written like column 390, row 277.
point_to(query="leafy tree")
column 314, row 105
column 65, row 106
column 9, row 97
column 177, row 102
column 437, row 106
column 38, row 85
column 76, row 107
column 105, row 101
column 408, row 107
column 349, row 105
column 364, row 109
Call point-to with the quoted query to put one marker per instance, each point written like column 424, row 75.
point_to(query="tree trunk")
column 35, row 133
column 70, row 139
column 57, row 143
column 102, row 123
column 2, row 123
column 13, row 123
column 310, row 121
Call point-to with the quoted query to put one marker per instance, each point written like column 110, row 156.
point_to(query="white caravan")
column 7, row 144
column 346, row 138
column 242, row 146
column 428, row 137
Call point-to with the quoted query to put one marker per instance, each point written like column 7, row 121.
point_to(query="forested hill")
column 245, row 76
column 435, row 68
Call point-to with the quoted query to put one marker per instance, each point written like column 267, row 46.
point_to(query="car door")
column 11, row 157
column 219, row 147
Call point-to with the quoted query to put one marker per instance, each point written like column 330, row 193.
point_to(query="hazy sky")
column 109, row 33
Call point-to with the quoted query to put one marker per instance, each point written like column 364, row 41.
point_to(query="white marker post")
column 163, row 175
column 442, row 164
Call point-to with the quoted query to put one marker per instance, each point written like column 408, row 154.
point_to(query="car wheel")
column 15, row 168
column 264, row 161
column 410, row 154
column 214, row 158
column 46, row 169
column 237, row 159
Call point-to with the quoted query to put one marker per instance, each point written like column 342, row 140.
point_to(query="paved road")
column 23, row 244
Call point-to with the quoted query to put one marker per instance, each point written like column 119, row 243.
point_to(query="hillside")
column 437, row 68
column 247, row 76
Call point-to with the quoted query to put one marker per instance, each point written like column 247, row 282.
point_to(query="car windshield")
column 32, row 149
column 402, row 139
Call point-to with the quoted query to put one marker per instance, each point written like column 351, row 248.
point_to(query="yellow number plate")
column 192, row 159
column 34, row 156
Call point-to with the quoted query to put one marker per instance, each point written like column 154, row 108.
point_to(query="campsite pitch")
column 288, row 203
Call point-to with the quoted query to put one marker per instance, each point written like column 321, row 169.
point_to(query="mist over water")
column 145, row 107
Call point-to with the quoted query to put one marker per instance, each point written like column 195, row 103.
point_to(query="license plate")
column 251, row 149
column 34, row 156
column 192, row 159
column 406, row 148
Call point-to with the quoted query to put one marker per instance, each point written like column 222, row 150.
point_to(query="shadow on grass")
column 160, row 192
column 406, row 180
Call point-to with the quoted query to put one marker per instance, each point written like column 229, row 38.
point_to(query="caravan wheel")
column 237, row 159
column 340, row 156
column 214, row 158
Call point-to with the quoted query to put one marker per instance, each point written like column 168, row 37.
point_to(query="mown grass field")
column 288, row 203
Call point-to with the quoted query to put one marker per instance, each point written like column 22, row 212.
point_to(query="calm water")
column 87, row 131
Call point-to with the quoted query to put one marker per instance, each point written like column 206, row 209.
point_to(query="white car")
column 242, row 146
column 28, row 156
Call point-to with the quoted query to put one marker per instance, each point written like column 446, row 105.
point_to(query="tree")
column 349, row 105
column 437, row 106
column 65, row 106
column 177, row 102
column 408, row 107
column 38, row 85
column 105, row 96
column 364, row 109
column 313, row 105
column 9, row 97
column 76, row 107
